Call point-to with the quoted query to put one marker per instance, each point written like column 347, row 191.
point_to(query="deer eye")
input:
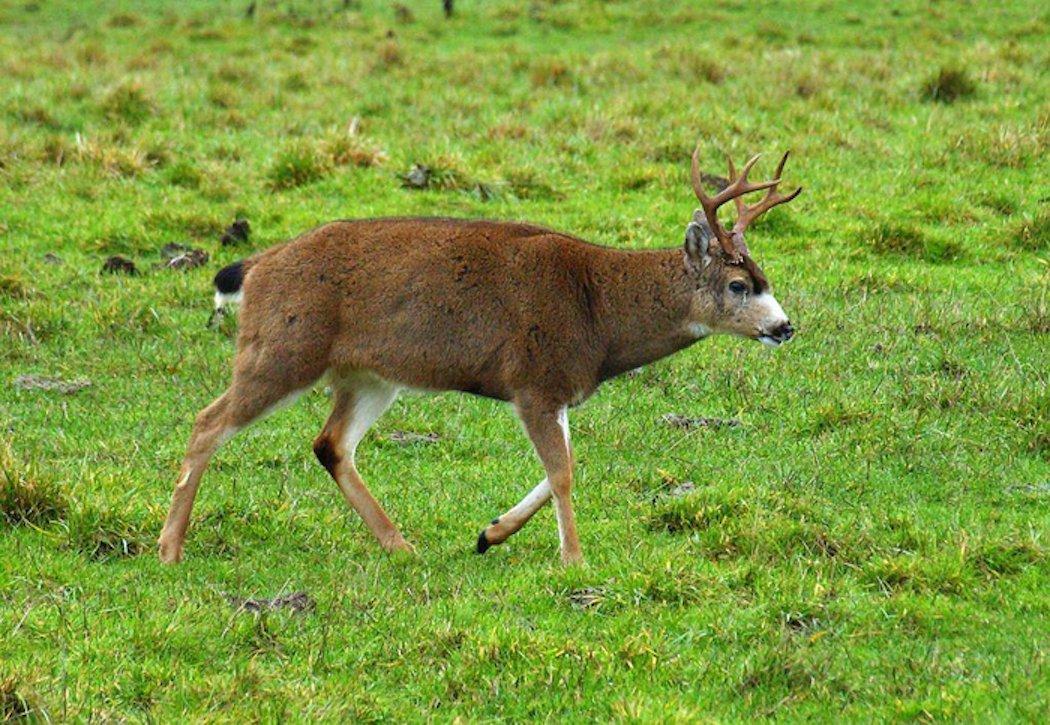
column 738, row 288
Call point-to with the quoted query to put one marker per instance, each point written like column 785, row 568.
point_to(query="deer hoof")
column 483, row 543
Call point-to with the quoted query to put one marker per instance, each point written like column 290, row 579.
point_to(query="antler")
column 733, row 242
column 747, row 214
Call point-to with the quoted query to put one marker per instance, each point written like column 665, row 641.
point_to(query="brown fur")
column 510, row 311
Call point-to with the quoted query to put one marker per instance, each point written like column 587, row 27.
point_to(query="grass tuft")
column 185, row 174
column 889, row 238
column 949, row 85
column 297, row 164
column 128, row 102
column 27, row 497
column 1032, row 234
column 102, row 534
column 695, row 512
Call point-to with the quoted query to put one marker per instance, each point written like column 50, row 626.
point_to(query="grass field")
column 868, row 542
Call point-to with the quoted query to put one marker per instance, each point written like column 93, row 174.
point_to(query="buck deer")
column 509, row 311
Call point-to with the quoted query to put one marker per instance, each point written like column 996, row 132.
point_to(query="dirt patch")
column 118, row 264
column 408, row 438
column 236, row 233
column 586, row 597
column 45, row 382
column 686, row 423
column 298, row 602
column 683, row 489
column 179, row 256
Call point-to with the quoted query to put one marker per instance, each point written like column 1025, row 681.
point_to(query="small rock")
column 119, row 265
column 52, row 258
column 236, row 233
column 418, row 177
column 297, row 602
column 405, row 437
column 45, row 382
column 681, row 421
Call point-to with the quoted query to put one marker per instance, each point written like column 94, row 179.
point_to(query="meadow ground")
column 869, row 541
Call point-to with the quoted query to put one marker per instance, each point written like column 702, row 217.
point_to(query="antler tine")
column 709, row 205
column 747, row 214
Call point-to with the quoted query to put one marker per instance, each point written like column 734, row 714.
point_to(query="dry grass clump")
column 14, row 705
column 124, row 20
column 388, row 54
column 25, row 496
column 112, row 159
column 690, row 65
column 550, row 72
column 350, row 149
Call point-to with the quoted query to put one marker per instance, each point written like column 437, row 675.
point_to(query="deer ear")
column 698, row 237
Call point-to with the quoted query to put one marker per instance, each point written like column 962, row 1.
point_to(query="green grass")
column 870, row 542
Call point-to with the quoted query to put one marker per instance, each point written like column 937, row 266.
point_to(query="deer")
column 511, row 311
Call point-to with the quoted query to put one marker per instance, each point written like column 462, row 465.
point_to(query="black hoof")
column 483, row 543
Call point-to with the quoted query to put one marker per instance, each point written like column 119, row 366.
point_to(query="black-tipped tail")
column 229, row 279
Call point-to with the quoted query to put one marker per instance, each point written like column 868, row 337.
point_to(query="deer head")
column 733, row 295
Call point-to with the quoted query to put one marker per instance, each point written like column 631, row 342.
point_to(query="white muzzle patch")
column 773, row 321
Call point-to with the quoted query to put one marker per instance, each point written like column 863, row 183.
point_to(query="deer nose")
column 783, row 332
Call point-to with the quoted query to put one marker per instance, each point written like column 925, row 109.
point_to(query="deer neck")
column 647, row 298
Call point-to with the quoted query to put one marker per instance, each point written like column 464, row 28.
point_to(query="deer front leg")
column 548, row 428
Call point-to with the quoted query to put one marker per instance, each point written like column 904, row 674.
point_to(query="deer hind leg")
column 509, row 523
column 358, row 401
column 258, row 388
column 548, row 428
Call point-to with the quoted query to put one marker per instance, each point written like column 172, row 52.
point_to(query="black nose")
column 784, row 332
